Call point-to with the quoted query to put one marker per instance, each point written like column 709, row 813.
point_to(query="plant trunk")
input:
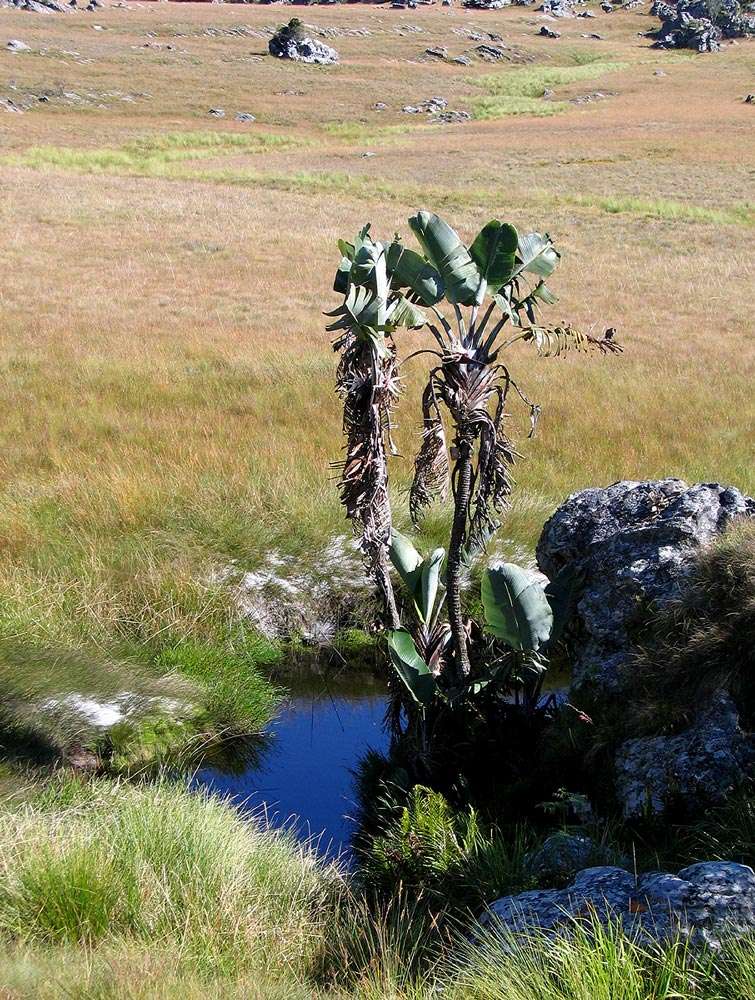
column 382, row 574
column 462, row 495
column 379, row 534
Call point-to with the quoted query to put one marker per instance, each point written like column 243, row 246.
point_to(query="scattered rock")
column 634, row 541
column 438, row 53
column 487, row 4
column 702, row 905
column 452, row 117
column 15, row 45
column 462, row 60
column 290, row 42
column 557, row 8
column 547, row 32
column 593, row 34
column 380, row 106
column 700, row 24
column 431, row 106
column 607, row 8
column 659, row 72
column 694, row 769
column 216, row 112
column 491, row 53
column 244, row 116
column 750, row 99
column 596, row 95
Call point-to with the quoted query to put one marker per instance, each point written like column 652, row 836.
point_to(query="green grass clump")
column 152, row 155
column 157, row 863
column 115, row 891
column 176, row 697
column 237, row 695
column 520, row 91
column 663, row 208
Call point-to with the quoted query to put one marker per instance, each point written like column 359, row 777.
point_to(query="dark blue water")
column 304, row 780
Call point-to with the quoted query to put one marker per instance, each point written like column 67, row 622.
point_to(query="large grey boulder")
column 634, row 542
column 695, row 768
column 704, row 904
column 291, row 42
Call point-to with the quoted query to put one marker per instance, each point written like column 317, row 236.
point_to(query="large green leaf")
column 402, row 312
column 537, row 255
column 408, row 269
column 449, row 256
column 343, row 276
column 494, row 252
column 429, row 583
column 410, row 666
column 406, row 559
column 516, row 608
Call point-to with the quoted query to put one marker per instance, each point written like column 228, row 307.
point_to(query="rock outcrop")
column 696, row 768
column 702, row 904
column 634, row 542
column 700, row 24
column 291, row 42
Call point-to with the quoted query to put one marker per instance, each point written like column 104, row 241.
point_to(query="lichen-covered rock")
column 562, row 855
column 696, row 768
column 291, row 42
column 700, row 24
column 634, row 542
column 703, row 904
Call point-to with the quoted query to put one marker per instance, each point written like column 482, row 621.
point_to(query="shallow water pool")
column 303, row 779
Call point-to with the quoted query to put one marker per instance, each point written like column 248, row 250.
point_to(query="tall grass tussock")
column 110, row 890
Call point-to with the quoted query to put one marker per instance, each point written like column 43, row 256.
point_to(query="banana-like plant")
column 495, row 285
column 367, row 381
column 524, row 612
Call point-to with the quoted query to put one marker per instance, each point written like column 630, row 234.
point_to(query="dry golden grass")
column 165, row 377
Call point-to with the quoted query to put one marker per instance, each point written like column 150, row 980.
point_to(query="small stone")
column 244, row 116
column 750, row 99
column 659, row 72
column 462, row 60
column 438, row 53
column 547, row 32
column 15, row 45
column 216, row 112
column 380, row 106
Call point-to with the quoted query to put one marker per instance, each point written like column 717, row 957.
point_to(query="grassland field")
column 168, row 410
column 165, row 377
